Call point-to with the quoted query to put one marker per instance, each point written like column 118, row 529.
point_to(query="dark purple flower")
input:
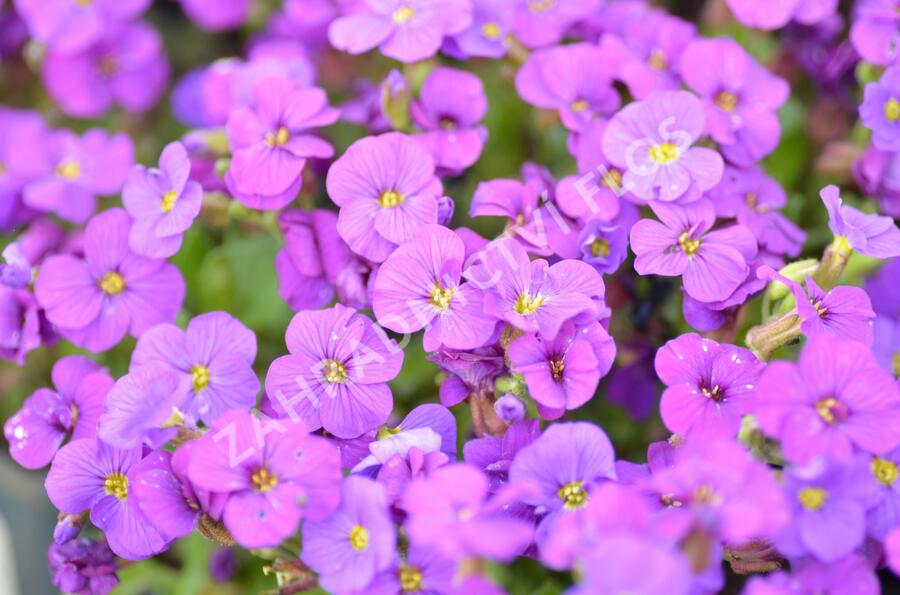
column 494, row 455
column 83, row 567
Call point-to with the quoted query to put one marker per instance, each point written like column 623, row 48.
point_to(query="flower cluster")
column 451, row 383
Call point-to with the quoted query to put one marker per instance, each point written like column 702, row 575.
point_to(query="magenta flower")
column 833, row 401
column 571, row 79
column 874, row 30
column 451, row 104
column 485, row 37
column 406, row 30
column 271, row 142
column 533, row 295
column 213, row 360
column 90, row 475
column 562, row 373
column 451, row 513
column 75, row 170
column 651, row 140
column 220, row 15
column 68, row 26
column 872, row 235
column 540, row 23
column 274, row 473
column 419, row 286
column 336, row 374
column 48, row 417
column 709, row 386
column 387, row 190
column 740, row 98
column 127, row 67
column 775, row 14
column 162, row 202
column 712, row 263
column 880, row 111
column 358, row 541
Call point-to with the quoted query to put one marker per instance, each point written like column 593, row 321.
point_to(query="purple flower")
column 316, row 263
column 468, row 372
column 775, row 14
column 604, row 245
column 217, row 15
column 75, row 170
column 213, row 362
column 336, row 374
column 406, row 30
column 83, row 567
column 874, row 30
column 834, row 400
column 112, row 291
column 828, row 504
column 651, row 140
column 451, row 513
column 271, row 142
column 274, row 472
column 540, row 23
column 884, row 516
column 486, row 36
column 143, row 406
column 422, row 571
column 356, row 542
column 47, row 417
column 753, row 198
column 872, row 235
column 451, row 104
column 851, row 575
column 419, row 286
column 162, row 202
column 494, row 455
column 88, row 474
column 880, row 110
column 610, row 567
column 533, row 295
column 740, row 98
column 712, row 263
column 562, row 373
column 569, row 78
column 387, row 190
column 68, row 26
column 127, row 67
column 566, row 462
column 708, row 385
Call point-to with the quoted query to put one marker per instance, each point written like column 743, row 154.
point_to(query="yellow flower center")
column 707, row 495
column 441, row 296
column 715, row 393
column 664, row 153
column 573, row 494
column 390, row 198
column 528, row 304
column 580, row 105
column 279, row 137
column 726, row 101
column 820, row 309
column 112, row 283
column 895, row 363
column 689, row 245
column 612, row 179
column 884, row 471
column 84, row 2
column 116, row 484
column 812, row 498
column 658, row 60
column 359, row 538
column 490, row 31
column 263, row 480
column 599, row 247
column 410, row 579
column 540, row 5
column 168, row 201
column 751, row 199
column 557, row 367
column 831, row 410
column 200, row 377
column 2, row 168
column 403, row 14
column 892, row 110
column 334, row 371
column 69, row 170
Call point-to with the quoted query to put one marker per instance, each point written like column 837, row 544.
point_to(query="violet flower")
column 68, row 26
column 880, row 111
column 872, row 235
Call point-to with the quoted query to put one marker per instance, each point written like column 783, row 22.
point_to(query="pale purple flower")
column 872, row 235
column 220, row 15
column 468, row 372
column 851, row 575
column 486, row 36
column 874, row 30
column 540, row 23
column 604, row 245
column 68, row 26
column 880, row 111
column 775, row 14
column 143, row 407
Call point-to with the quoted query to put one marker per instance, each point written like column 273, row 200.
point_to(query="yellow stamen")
column 403, row 14
column 884, row 471
column 726, row 101
column 116, row 484
column 263, row 480
column 573, row 494
column 895, row 363
column 830, row 410
column 168, row 201
column 557, row 367
column 612, row 179
column 664, row 153
column 714, row 394
column 658, row 60
column 334, row 371
column 112, row 283
column 2, row 168
column 528, row 304
column 820, row 310
column 200, row 377
column 279, row 137
column 812, row 498
column 707, row 495
column 751, row 198
column 540, row 5
column 69, row 170
column 490, row 31
column 84, row 2
column 390, row 198
column 689, row 245
column 359, row 538
column 599, row 247
column 892, row 110
column 579, row 105
column 410, row 579
column 441, row 296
